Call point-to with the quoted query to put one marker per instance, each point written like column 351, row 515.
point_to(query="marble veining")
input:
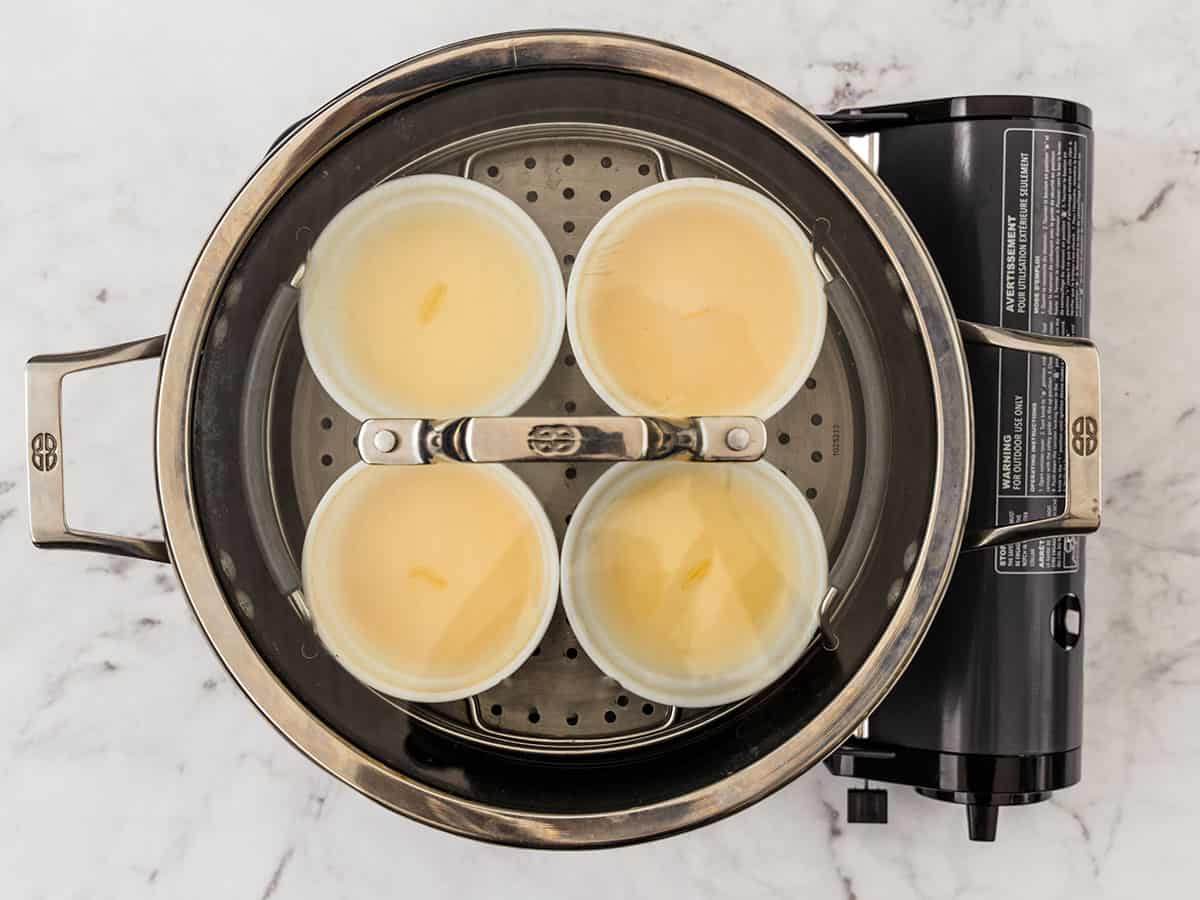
column 132, row 766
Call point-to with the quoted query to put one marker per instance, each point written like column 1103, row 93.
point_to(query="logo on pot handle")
column 44, row 451
column 555, row 440
column 1084, row 436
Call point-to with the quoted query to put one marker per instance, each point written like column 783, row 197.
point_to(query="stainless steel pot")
column 566, row 123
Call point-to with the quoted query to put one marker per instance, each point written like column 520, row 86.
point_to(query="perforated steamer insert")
column 566, row 176
column 566, row 125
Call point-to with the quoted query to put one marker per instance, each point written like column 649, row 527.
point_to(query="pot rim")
column 517, row 52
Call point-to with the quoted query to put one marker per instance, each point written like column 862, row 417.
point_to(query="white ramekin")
column 329, row 360
column 752, row 674
column 341, row 646
column 801, row 363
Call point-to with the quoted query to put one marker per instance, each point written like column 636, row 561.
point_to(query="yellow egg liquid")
column 688, row 569
column 695, row 305
column 430, row 576
column 436, row 309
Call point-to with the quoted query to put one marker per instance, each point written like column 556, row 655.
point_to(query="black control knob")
column 867, row 806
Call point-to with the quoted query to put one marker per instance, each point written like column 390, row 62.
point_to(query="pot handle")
column 43, row 423
column 1081, row 509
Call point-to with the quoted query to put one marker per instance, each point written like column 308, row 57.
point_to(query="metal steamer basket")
column 566, row 124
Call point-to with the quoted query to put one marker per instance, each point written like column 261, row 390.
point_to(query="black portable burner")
column 989, row 713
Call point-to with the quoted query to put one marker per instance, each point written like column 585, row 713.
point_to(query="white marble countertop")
column 130, row 765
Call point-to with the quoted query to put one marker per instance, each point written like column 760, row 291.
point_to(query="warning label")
column 1044, row 290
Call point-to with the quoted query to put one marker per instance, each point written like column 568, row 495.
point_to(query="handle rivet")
column 737, row 439
column 385, row 441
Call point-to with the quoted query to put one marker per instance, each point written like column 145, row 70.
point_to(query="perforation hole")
column 605, row 196
column 572, row 719
column 530, row 162
column 568, row 226
column 622, row 700
column 326, row 423
column 572, row 653
column 817, row 456
column 569, row 406
column 643, row 169
column 647, row 709
column 531, row 196
column 497, row 710
column 784, row 437
column 326, row 460
column 568, row 160
column 570, row 473
column 610, row 716
column 811, row 493
column 605, row 162
column 493, row 172
column 816, row 419
column 534, row 716
column 568, row 193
